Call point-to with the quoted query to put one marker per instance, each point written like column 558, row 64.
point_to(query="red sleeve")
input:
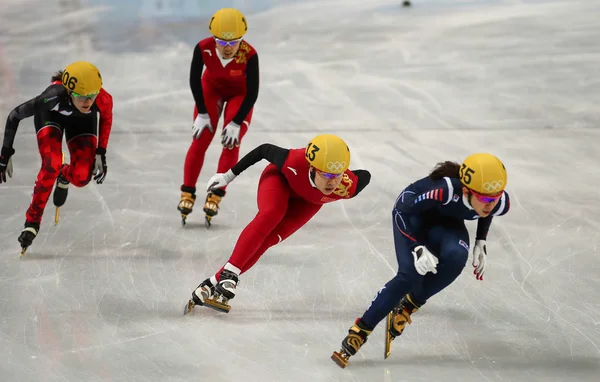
column 104, row 102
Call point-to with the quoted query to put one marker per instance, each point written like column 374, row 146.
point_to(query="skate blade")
column 217, row 305
column 207, row 222
column 188, row 307
column 388, row 336
column 23, row 250
column 183, row 220
column 341, row 358
column 56, row 215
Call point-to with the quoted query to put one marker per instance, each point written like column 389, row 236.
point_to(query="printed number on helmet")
column 465, row 173
column 68, row 81
column 313, row 151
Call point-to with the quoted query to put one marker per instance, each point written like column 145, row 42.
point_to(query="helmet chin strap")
column 311, row 176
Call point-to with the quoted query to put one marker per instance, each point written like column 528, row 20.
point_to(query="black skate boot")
column 398, row 318
column 186, row 204
column 61, row 190
column 357, row 336
column 204, row 291
column 224, row 291
column 211, row 205
column 27, row 235
column 406, row 3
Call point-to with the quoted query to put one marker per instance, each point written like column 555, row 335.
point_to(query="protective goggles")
column 329, row 175
column 227, row 42
column 80, row 97
column 487, row 198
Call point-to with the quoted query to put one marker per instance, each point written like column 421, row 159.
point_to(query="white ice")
column 99, row 297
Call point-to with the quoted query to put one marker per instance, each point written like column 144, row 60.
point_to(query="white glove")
column 479, row 258
column 201, row 122
column 230, row 136
column 425, row 261
column 220, row 180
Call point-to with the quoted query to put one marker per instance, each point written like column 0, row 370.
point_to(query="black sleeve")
column 252, row 82
column 364, row 177
column 196, row 79
column 483, row 226
column 45, row 101
column 274, row 154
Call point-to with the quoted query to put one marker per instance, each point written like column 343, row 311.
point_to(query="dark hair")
column 57, row 76
column 443, row 169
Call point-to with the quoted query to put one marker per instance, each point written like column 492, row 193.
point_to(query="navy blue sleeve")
column 411, row 204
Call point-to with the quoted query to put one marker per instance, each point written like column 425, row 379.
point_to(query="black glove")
column 6, row 163
column 100, row 168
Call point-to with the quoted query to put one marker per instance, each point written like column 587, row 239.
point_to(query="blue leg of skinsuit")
column 448, row 239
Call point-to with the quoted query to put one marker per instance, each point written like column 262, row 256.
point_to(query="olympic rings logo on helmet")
column 336, row 167
column 228, row 35
column 493, row 186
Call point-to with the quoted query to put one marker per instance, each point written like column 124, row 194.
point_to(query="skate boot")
column 27, row 235
column 186, row 204
column 224, row 291
column 406, row 3
column 357, row 336
column 61, row 191
column 211, row 205
column 398, row 318
column 204, row 291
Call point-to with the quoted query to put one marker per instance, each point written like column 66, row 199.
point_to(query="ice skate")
column 204, row 291
column 224, row 291
column 186, row 205
column 406, row 3
column 357, row 336
column 61, row 192
column 27, row 235
column 211, row 205
column 397, row 320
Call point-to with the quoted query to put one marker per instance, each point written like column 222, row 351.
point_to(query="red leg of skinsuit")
column 82, row 152
column 278, row 217
column 49, row 140
column 194, row 159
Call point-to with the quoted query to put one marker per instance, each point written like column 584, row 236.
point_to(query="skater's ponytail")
column 445, row 169
column 57, row 76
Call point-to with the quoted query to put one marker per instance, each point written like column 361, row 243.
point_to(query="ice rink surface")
column 99, row 297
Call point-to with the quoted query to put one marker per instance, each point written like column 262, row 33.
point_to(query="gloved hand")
column 479, row 258
column 220, row 180
column 201, row 122
column 6, row 163
column 425, row 261
column 100, row 168
column 230, row 136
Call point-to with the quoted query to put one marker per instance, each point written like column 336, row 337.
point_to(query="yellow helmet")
column 328, row 153
column 483, row 173
column 228, row 24
column 82, row 78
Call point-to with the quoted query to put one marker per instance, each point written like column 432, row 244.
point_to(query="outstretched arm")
column 274, row 154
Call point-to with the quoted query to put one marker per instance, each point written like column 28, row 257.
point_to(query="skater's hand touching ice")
column 425, row 261
column 201, row 122
column 479, row 258
column 220, row 180
column 6, row 167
